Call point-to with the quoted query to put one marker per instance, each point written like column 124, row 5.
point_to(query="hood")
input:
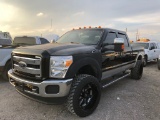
column 59, row 49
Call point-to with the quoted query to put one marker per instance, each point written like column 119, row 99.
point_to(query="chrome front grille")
column 27, row 66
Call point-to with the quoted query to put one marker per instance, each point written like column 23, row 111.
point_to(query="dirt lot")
column 125, row 100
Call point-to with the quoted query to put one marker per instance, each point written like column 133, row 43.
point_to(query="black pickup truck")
column 75, row 68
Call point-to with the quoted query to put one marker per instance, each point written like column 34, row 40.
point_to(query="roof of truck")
column 107, row 29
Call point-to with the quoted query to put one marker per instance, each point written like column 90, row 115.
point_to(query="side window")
column 155, row 47
column 43, row 41
column 110, row 39
column 124, row 37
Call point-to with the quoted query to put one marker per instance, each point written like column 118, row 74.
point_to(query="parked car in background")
column 152, row 50
column 5, row 50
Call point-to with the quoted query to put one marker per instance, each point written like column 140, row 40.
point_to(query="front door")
column 115, row 62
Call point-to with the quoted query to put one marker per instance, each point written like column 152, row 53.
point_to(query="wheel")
column 137, row 71
column 8, row 66
column 145, row 61
column 158, row 64
column 84, row 95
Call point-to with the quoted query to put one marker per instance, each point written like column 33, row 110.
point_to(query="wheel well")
column 87, row 70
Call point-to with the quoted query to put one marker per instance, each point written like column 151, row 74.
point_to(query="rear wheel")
column 84, row 95
column 137, row 71
column 8, row 66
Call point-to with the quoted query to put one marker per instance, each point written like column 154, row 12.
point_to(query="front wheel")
column 137, row 71
column 84, row 95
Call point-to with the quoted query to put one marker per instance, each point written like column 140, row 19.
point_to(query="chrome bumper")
column 64, row 85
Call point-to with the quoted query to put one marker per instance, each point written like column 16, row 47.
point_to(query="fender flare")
column 76, row 66
column 139, row 54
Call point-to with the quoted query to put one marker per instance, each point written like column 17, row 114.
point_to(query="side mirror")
column 118, row 44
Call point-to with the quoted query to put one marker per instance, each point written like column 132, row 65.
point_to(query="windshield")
column 90, row 37
column 145, row 45
column 24, row 41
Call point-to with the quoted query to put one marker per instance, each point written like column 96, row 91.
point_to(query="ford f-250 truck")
column 75, row 68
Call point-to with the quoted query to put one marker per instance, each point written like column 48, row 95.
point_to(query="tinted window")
column 110, row 39
column 124, row 37
column 43, row 41
column 155, row 46
column 145, row 45
column 91, row 36
column 152, row 46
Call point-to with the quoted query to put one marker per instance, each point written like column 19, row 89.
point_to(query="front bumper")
column 39, row 88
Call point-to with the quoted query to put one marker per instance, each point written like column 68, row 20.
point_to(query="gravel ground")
column 125, row 100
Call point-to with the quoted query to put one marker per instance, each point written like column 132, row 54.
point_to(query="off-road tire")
column 137, row 71
column 8, row 66
column 73, row 102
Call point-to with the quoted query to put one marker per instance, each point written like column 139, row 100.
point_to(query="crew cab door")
column 115, row 62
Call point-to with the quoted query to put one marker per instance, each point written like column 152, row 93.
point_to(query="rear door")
column 115, row 62
column 127, row 54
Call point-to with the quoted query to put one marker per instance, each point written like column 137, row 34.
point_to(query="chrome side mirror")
column 118, row 44
column 119, row 40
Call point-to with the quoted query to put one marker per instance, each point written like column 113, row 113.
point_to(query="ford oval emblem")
column 22, row 64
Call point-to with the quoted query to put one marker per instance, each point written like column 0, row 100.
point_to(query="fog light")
column 52, row 89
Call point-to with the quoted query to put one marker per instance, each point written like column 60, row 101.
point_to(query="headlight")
column 59, row 65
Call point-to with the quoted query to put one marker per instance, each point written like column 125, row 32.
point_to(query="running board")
column 110, row 83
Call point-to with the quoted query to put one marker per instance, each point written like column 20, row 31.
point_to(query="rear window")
column 24, row 41
column 145, row 45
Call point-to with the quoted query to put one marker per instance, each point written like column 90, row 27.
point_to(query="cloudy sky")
column 33, row 17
